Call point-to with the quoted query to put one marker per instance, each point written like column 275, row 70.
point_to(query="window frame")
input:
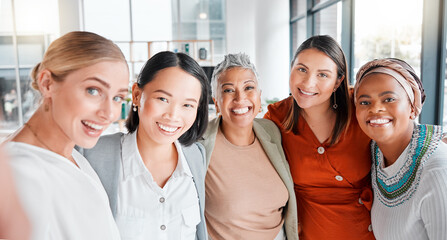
column 433, row 49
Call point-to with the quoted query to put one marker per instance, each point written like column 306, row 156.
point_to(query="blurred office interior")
column 268, row 31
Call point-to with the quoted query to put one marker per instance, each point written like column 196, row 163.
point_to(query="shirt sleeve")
column 434, row 204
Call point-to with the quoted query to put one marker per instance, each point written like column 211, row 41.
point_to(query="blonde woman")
column 82, row 79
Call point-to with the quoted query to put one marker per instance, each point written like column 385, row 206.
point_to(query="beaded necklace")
column 395, row 190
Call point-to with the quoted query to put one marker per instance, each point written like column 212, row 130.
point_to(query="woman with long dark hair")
column 155, row 174
column 327, row 151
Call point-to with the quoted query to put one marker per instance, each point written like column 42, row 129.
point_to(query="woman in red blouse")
column 328, row 154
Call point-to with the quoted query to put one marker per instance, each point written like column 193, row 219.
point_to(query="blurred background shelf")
column 200, row 50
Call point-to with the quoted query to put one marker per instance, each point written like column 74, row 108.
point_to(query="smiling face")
column 313, row 78
column 383, row 109
column 167, row 105
column 238, row 97
column 88, row 100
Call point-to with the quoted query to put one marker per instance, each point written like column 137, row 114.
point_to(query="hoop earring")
column 134, row 107
column 335, row 105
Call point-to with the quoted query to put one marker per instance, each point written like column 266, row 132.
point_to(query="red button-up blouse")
column 332, row 183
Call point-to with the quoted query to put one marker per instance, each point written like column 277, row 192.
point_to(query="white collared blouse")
column 147, row 211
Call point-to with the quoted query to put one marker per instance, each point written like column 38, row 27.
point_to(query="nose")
column 308, row 81
column 108, row 111
column 171, row 112
column 376, row 106
column 239, row 96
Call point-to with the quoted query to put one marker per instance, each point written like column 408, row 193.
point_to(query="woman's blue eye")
column 163, row 99
column 118, row 99
column 93, row 91
column 189, row 105
column 323, row 75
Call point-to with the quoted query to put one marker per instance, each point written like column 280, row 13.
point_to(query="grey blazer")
column 105, row 158
column 269, row 136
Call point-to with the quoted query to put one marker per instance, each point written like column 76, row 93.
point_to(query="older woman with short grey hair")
column 249, row 188
column 240, row 60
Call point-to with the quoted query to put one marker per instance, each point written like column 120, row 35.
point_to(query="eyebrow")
column 321, row 70
column 364, row 96
column 249, row 80
column 380, row 95
column 170, row 95
column 105, row 84
column 231, row 84
column 225, row 84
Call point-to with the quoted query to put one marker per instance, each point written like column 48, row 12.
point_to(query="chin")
column 87, row 143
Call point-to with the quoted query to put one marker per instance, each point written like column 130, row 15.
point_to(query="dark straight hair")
column 332, row 49
column 168, row 59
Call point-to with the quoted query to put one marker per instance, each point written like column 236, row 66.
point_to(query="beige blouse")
column 245, row 196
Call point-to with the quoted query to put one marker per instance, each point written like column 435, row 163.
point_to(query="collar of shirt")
column 133, row 165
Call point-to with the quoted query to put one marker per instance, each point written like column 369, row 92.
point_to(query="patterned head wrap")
column 402, row 73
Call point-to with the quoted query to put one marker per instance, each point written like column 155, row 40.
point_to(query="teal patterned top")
column 395, row 190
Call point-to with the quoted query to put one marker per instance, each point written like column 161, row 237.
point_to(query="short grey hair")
column 241, row 60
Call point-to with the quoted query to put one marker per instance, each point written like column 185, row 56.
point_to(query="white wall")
column 260, row 28
column 152, row 20
column 240, row 24
column 70, row 18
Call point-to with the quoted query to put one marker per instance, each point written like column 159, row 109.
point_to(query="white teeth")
column 379, row 121
column 240, row 110
column 167, row 129
column 307, row 93
column 92, row 125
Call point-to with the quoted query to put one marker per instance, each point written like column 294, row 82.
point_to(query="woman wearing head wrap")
column 409, row 170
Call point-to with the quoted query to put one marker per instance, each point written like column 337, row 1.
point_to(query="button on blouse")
column 147, row 211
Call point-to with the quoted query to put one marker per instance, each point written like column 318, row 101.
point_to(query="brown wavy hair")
column 332, row 49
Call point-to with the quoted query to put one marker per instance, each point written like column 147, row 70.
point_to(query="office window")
column 201, row 20
column 328, row 22
column 36, row 25
column 396, row 34
column 321, row 18
column 131, row 25
column 444, row 118
column 298, row 8
column 298, row 33
column 320, row 1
